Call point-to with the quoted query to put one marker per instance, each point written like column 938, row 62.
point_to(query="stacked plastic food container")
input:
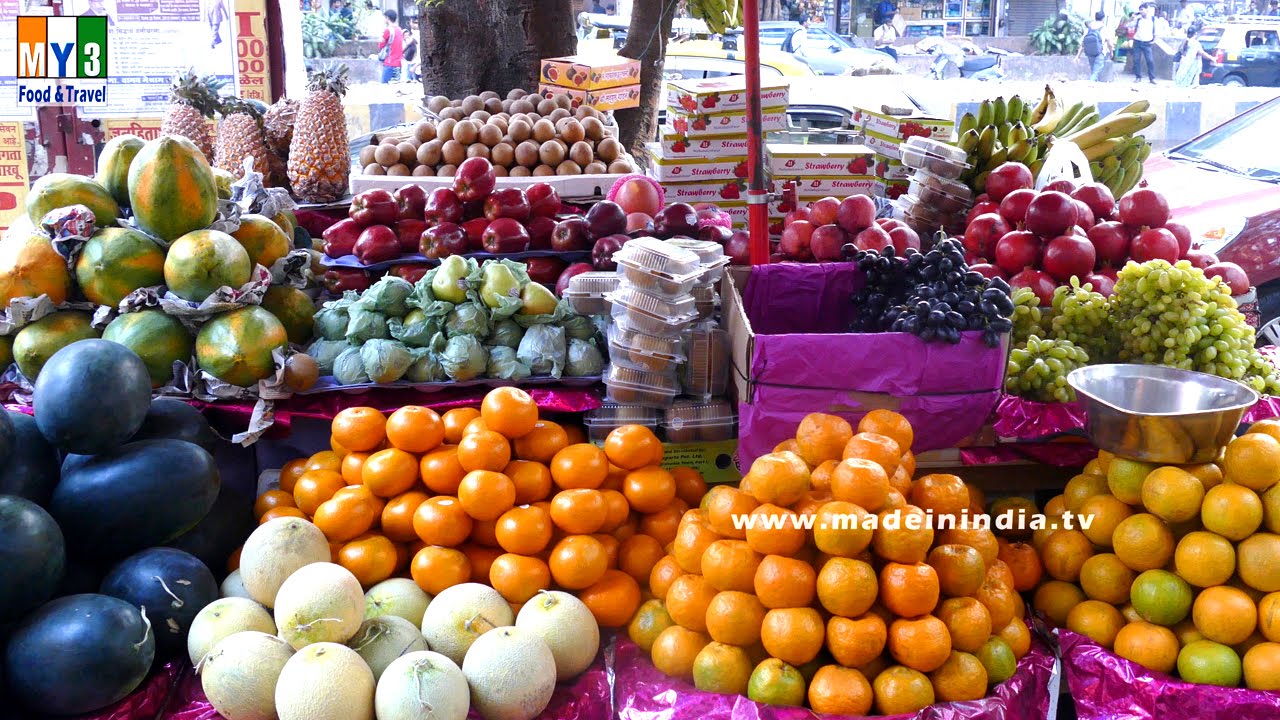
column 936, row 198
column 669, row 359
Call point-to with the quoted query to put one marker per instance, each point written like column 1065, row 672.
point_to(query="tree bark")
column 469, row 46
column 771, row 10
column 647, row 42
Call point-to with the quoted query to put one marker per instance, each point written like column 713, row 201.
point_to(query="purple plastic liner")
column 644, row 693
column 146, row 702
column 805, row 362
column 1105, row 685
column 1058, row 454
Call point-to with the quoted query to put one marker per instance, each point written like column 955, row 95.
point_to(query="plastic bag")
column 464, row 358
column 467, row 319
column 1065, row 161
column 415, row 330
column 504, row 365
column 387, row 296
column 579, row 327
column 330, row 321
column 348, row 368
column 385, row 361
column 583, row 359
column 364, row 325
column 425, row 367
column 506, row 333
column 324, row 352
column 543, row 350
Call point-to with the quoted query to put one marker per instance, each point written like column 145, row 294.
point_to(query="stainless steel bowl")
column 1160, row 414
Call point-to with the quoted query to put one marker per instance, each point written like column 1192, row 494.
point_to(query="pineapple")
column 241, row 135
column 320, row 156
column 278, row 123
column 192, row 101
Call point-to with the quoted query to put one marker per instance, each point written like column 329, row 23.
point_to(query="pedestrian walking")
column 391, row 48
column 1187, row 71
column 1144, row 36
column 1094, row 46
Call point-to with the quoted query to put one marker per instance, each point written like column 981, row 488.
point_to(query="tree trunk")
column 470, row 47
column 771, row 10
column 647, row 42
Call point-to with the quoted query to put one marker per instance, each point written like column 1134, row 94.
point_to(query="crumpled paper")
column 68, row 228
column 23, row 311
column 293, row 269
column 222, row 300
column 263, row 396
column 251, row 195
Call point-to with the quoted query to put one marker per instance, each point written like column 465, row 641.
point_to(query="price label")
column 254, row 68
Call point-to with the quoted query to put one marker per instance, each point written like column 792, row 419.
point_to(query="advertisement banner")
column 13, row 173
column 251, row 50
column 145, row 128
column 9, row 107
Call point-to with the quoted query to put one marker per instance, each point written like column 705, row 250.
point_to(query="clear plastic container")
column 706, row 372
column 941, row 159
column 650, row 353
column 658, row 258
column 688, row 421
column 710, row 255
column 651, row 314
column 636, row 387
column 604, row 419
column 667, row 287
column 940, row 193
column 705, row 300
column 586, row 292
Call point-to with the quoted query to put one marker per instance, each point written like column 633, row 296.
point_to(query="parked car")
column 1246, row 52
column 1225, row 186
column 826, row 52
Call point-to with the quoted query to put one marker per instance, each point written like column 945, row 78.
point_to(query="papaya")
column 115, row 262
column 29, row 267
column 172, row 190
column 6, row 351
column 294, row 309
column 159, row 339
column 92, row 396
column 113, row 166
column 223, row 180
column 287, row 221
column 202, row 261
column 236, row 346
column 57, row 190
column 36, row 343
column 264, row 240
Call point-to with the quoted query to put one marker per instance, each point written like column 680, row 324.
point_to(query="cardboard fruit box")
column 617, row 98
column 792, row 356
column 734, row 122
column 900, row 126
column 590, row 72
column 795, row 160
column 675, row 145
column 716, row 191
column 694, row 169
column 722, row 94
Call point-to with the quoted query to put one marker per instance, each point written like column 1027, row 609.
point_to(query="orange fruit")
column 862, row 482
column 415, row 429
column 1269, row 616
column 524, row 530
column 371, row 559
column 1225, row 615
column 857, row 641
column 690, row 485
column 518, row 577
column 441, row 520
column 1142, row 541
column 632, row 447
column 1107, row 512
column 532, row 480
column 903, row 536
column 650, row 620
column 839, row 690
column 782, row 582
column 436, row 568
column 880, row 449
column 1065, row 553
column 1055, row 599
column 675, row 649
column 233, row 561
column 960, row 569
column 962, row 677
column 1103, row 577
column 729, row 565
column 847, row 587
column 821, row 437
column 541, row 443
column 279, row 512
column 942, row 493
column 968, row 622
column 290, row 473
column 777, row 478
column 722, row 504
column 637, row 555
column 789, row 445
column 359, row 429
column 613, row 599
column 578, row 561
column 843, row 529
column 455, row 421
column 900, row 691
column 891, row 425
column 999, row 572
column 1204, row 559
column 649, row 489
column 1024, row 562
column 509, row 411
column 324, row 460
column 616, row 510
column 793, row 635
column 661, row 525
column 611, row 545
column 921, row 643
column 977, row 537
column 578, row 511
column 664, row 573
column 735, row 618
column 579, row 466
column 1097, row 621
column 1262, row 667
column 484, row 450
column 1172, row 494
column 1232, row 511
column 481, row 560
column 909, row 590
column 1018, row 636
column 1081, row 488
column 1252, row 460
column 687, row 601
column 1000, row 600
column 270, row 500
column 723, row 669
column 441, row 471
column 389, row 472
column 691, row 540
column 349, row 513
column 352, row 466
column 820, row 477
column 486, row 495
column 775, row 531
column 315, row 487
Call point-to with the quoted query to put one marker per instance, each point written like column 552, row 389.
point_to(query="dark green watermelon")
column 32, row 469
column 78, row 654
column 82, row 576
column 7, row 438
column 32, row 556
column 136, row 496
column 170, row 585
column 224, row 529
column 91, row 396
column 173, row 418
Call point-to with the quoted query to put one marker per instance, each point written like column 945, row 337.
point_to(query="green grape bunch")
column 1038, row 370
column 1027, row 317
column 1081, row 316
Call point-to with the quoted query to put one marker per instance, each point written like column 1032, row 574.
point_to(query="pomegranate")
column 987, row 270
column 1008, row 177
column 1016, row 251
column 1051, row 214
column 1153, row 244
column 981, row 235
column 1183, row 233
column 638, row 195
column 794, row 215
column 1099, row 199
column 796, row 239
column 904, row 237
column 1110, row 241
column 856, row 213
column 873, row 238
column 1201, row 258
column 1068, row 255
column 718, row 234
column 823, row 212
column 888, row 224
column 1084, row 216
column 1104, row 285
column 1014, row 206
column 981, row 208
column 826, row 243
column 1144, row 208
column 1039, row 283
column 1231, row 274
column 1062, row 186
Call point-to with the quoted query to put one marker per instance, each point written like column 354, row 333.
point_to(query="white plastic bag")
column 1064, row 161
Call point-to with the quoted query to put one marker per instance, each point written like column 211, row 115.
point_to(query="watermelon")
column 159, row 339
column 115, row 262
column 294, row 309
column 57, row 190
column 32, row 468
column 202, row 261
column 236, row 346
column 172, row 190
column 29, row 267
column 36, row 343
column 224, row 529
column 32, row 554
column 136, row 496
column 78, row 654
column 113, row 166
column 173, row 418
column 91, row 396
column 170, row 585
column 264, row 240
column 7, row 437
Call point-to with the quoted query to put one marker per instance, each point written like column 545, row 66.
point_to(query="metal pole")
column 757, row 193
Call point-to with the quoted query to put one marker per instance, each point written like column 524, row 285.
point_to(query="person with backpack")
column 1094, row 46
column 391, row 48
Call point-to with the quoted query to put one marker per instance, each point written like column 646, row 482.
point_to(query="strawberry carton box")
column 734, row 122
column 900, row 126
column 887, row 147
column 892, row 189
column 839, row 187
column 717, row 191
column 627, row 96
column 889, row 169
column 793, row 160
column 681, row 145
column 721, row 94
column 590, row 72
column 694, row 169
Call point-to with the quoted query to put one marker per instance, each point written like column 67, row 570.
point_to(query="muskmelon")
column 381, row 640
column 223, row 618
column 567, row 626
column 320, row 602
column 512, row 674
column 239, row 675
column 325, row 681
column 274, row 550
column 397, row 596
column 422, row 684
column 233, row 586
column 462, row 613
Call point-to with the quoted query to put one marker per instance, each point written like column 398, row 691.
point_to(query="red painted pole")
column 757, row 193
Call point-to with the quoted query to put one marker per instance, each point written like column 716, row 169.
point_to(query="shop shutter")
column 1023, row 16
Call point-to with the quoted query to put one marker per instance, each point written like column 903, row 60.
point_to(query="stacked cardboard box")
column 820, row 171
column 605, row 82
column 702, row 153
column 886, row 129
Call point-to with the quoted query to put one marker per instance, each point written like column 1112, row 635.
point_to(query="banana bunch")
column 1121, row 169
column 1114, row 151
column 719, row 15
column 1000, row 132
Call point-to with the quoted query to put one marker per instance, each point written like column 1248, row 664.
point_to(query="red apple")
column 1143, row 207
column 676, row 219
column 1068, row 256
column 1154, row 244
column 409, row 233
column 856, row 213
column 543, row 199
column 1231, row 274
column 639, row 225
column 505, row 235
column 603, row 250
column 823, row 212
column 441, row 241
column 1051, row 214
column 718, row 234
column 606, row 218
column 540, row 228
column 340, row 238
column 1099, row 199
column 410, row 272
column 981, row 235
column 1008, row 177
column 873, row 238
column 571, row 235
column 1016, row 251
column 373, row 207
column 412, row 200
column 475, row 233
column 1110, row 241
column 1039, row 282
column 575, row 269
column 1201, row 258
column 639, row 195
column 796, row 239
column 827, row 242
column 377, row 243
column 443, row 205
column 1183, row 233
column 506, row 203
column 545, row 270
column 474, row 179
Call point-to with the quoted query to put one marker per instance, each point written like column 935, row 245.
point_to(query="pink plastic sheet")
column 147, row 701
column 1105, row 685
column 644, row 693
column 1057, row 454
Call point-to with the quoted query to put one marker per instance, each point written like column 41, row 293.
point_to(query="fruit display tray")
column 350, row 261
column 570, row 187
column 329, row 384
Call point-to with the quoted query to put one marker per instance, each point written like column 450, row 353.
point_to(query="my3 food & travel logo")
column 62, row 60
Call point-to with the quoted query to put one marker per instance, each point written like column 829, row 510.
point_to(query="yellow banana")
column 1042, row 108
column 1117, row 126
column 1087, row 117
column 1102, row 149
column 968, row 122
column 986, row 143
column 968, row 140
column 1014, row 111
column 1052, row 115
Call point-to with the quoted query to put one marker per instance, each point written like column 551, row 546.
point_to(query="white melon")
column 398, row 596
column 462, row 613
column 383, row 639
column 239, row 675
column 274, row 551
column 420, row 685
column 512, row 674
column 223, row 618
column 567, row 626
column 325, row 681
column 233, row 586
column 321, row 602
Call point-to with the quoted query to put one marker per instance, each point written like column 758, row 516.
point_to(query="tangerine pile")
column 847, row 620
column 495, row 495
column 1179, row 568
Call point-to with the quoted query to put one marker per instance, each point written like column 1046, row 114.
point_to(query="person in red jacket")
column 391, row 48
